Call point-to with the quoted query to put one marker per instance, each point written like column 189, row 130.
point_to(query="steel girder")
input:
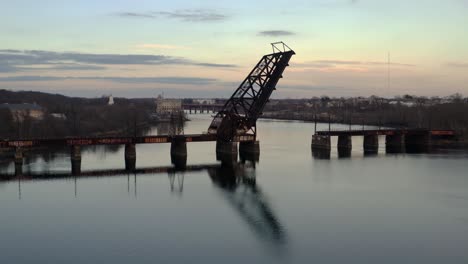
column 240, row 113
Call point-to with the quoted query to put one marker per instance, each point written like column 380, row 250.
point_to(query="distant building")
column 168, row 106
column 21, row 111
column 168, row 109
column 109, row 98
column 204, row 101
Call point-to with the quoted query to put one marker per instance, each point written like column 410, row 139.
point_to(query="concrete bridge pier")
column 344, row 146
column 371, row 144
column 395, row 143
column 75, row 158
column 321, row 146
column 19, row 161
column 418, row 143
column 226, row 152
column 130, row 157
column 179, row 153
column 250, row 150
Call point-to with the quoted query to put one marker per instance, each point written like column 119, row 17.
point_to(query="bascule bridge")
column 238, row 117
column 234, row 123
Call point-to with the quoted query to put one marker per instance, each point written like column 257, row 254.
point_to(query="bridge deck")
column 386, row 132
column 89, row 141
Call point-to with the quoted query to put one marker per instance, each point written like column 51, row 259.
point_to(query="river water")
column 287, row 208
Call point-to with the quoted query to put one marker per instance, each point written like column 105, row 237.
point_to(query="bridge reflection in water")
column 235, row 181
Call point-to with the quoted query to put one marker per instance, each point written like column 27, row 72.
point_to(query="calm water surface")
column 288, row 208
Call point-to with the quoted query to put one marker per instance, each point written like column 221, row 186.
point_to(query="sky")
column 142, row 48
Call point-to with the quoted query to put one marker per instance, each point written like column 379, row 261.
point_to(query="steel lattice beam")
column 240, row 113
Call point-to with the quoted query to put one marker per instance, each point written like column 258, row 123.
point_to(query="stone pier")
column 371, row 144
column 249, row 150
column 19, row 161
column 226, row 152
column 395, row 143
column 179, row 153
column 418, row 143
column 344, row 146
column 130, row 157
column 226, row 147
column 321, row 146
column 75, row 158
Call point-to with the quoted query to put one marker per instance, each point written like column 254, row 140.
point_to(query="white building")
column 167, row 106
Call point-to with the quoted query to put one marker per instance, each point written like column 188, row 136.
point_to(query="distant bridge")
column 202, row 108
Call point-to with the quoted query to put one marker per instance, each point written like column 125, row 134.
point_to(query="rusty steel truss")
column 240, row 113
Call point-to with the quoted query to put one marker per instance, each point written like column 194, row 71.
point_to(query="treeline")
column 83, row 116
column 401, row 112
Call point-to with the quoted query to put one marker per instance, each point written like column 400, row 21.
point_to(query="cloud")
column 7, row 68
column 29, row 78
column 64, row 67
column 135, row 80
column 22, row 60
column 314, row 88
column 336, row 63
column 275, row 33
column 196, row 15
column 215, row 65
column 76, row 67
column 36, row 57
column 164, row 80
column 137, row 15
column 457, row 64
column 186, row 15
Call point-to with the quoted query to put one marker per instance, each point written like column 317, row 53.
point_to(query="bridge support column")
column 418, row 143
column 344, row 146
column 19, row 161
column 226, row 152
column 371, row 144
column 179, row 153
column 75, row 158
column 249, row 151
column 395, row 143
column 130, row 157
column 321, row 147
